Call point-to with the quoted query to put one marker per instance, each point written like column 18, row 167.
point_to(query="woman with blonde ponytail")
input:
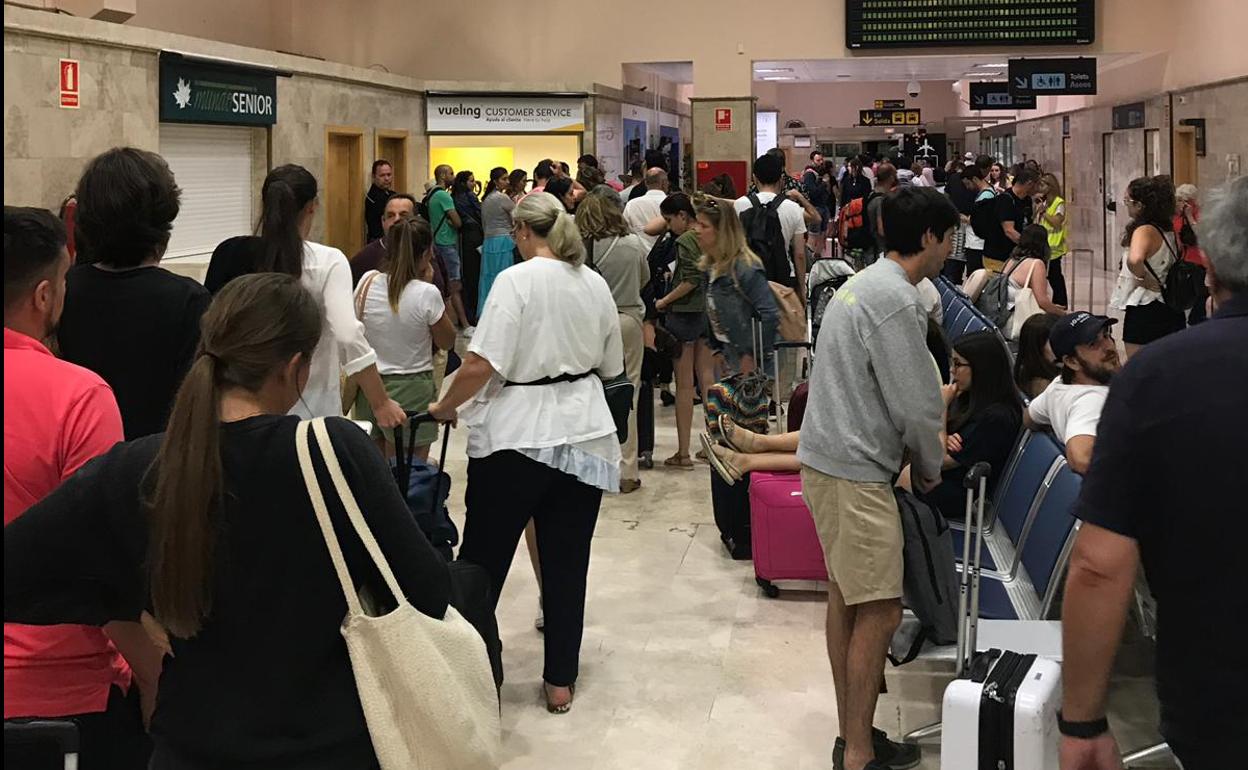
column 404, row 318
column 542, row 443
column 211, row 525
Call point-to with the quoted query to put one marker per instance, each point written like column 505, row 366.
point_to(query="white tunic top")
column 545, row 318
column 342, row 349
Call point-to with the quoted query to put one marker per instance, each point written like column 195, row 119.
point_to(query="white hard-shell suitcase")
column 1001, row 711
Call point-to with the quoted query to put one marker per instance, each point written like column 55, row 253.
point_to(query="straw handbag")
column 425, row 684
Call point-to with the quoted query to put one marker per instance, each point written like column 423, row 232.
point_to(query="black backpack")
column 1182, row 285
column 816, row 190
column 984, row 216
column 661, row 255
column 766, row 237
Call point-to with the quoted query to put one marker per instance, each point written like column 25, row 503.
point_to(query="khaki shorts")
column 860, row 530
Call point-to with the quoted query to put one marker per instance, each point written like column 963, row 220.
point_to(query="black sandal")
column 562, row 708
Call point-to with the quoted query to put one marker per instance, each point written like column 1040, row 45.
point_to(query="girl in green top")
column 1051, row 213
column 684, row 309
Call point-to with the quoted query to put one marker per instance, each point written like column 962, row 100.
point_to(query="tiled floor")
column 686, row 664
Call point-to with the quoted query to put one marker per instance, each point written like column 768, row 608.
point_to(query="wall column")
column 723, row 138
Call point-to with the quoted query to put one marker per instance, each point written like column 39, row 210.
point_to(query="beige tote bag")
column 1025, row 306
column 425, row 684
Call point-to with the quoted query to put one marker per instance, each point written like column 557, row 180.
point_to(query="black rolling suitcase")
column 471, row 592
column 731, row 505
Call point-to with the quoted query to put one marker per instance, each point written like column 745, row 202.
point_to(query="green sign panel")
column 198, row 92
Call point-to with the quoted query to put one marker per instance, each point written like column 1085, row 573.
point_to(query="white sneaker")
column 540, row 622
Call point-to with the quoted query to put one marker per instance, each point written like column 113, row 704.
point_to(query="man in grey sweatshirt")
column 874, row 393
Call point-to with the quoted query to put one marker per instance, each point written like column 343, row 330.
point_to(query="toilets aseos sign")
column 504, row 113
column 209, row 92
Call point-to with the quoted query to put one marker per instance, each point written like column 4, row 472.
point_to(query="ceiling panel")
column 896, row 68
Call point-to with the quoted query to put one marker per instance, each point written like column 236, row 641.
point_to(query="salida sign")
column 195, row 92
column 471, row 113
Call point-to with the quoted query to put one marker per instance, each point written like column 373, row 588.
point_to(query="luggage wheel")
column 768, row 587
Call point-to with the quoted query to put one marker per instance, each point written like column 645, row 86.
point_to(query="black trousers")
column 1057, row 282
column 953, row 270
column 974, row 260
column 112, row 739
column 507, row 489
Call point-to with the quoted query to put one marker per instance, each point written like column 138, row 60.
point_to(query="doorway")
column 344, row 188
column 1184, row 155
column 392, row 146
column 1108, row 197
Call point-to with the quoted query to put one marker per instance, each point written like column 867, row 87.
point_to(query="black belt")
column 550, row 380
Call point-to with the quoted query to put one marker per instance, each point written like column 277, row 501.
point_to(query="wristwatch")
column 1090, row 729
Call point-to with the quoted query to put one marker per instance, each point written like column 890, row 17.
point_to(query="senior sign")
column 470, row 113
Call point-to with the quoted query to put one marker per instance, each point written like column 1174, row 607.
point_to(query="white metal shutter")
column 212, row 165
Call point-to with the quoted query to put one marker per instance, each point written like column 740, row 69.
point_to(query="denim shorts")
column 450, row 258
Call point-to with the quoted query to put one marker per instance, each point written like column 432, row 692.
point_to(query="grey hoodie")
column 874, row 390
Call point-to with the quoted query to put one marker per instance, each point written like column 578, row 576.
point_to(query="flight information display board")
column 932, row 23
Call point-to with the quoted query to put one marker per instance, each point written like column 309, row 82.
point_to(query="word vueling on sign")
column 497, row 114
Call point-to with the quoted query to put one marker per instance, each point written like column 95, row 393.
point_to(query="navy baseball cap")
column 1079, row 328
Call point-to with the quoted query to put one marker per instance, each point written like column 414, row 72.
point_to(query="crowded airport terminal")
column 573, row 385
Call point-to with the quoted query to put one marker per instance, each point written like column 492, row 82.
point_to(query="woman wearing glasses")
column 737, row 293
column 983, row 417
column 1150, row 203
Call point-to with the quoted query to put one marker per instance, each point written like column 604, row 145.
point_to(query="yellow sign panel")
column 912, row 118
column 899, row 118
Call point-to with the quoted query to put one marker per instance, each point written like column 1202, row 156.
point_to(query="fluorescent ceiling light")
column 781, row 77
column 776, row 69
column 982, row 75
column 992, row 66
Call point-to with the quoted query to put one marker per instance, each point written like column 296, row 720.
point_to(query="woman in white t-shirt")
column 281, row 245
column 404, row 317
column 1148, row 240
column 542, row 443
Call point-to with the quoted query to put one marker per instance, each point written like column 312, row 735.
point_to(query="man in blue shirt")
column 1166, row 489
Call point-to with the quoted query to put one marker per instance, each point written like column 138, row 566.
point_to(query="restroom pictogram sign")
column 70, row 83
column 723, row 119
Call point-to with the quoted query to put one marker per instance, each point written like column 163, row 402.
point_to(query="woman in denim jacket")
column 737, row 291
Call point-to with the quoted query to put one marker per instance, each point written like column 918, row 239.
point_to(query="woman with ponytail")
column 281, row 246
column 210, row 525
column 404, row 318
column 542, row 443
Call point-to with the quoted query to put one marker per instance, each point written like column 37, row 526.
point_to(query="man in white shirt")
column 768, row 175
column 639, row 211
column 1071, row 405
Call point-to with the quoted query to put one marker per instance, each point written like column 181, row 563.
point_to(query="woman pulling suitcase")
column 542, row 442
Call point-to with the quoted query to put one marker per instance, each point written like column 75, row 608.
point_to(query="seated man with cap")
column 1071, row 406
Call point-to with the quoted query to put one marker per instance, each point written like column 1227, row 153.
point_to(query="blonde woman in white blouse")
column 542, row 443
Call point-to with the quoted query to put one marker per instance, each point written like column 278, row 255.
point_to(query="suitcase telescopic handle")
column 976, row 484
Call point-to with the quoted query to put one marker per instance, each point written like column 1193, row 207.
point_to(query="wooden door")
column 392, row 146
column 1184, row 155
column 343, row 196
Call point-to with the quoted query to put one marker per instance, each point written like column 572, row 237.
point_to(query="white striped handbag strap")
column 354, row 514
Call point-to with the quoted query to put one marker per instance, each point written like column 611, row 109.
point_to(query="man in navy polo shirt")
column 1166, row 488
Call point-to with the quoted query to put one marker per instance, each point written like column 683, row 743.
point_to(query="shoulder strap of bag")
column 1030, row 270
column 362, row 293
column 1173, row 253
column 755, row 203
column 343, row 489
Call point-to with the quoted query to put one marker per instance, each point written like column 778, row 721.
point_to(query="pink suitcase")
column 785, row 544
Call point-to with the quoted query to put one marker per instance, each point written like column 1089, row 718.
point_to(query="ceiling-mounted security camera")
column 913, row 88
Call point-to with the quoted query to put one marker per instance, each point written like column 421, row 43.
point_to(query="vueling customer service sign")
column 193, row 92
column 503, row 114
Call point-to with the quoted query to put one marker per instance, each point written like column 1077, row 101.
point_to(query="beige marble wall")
column 307, row 106
column 46, row 146
column 1225, row 110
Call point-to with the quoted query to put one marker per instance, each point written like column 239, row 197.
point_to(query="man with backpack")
column 775, row 226
column 858, row 220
